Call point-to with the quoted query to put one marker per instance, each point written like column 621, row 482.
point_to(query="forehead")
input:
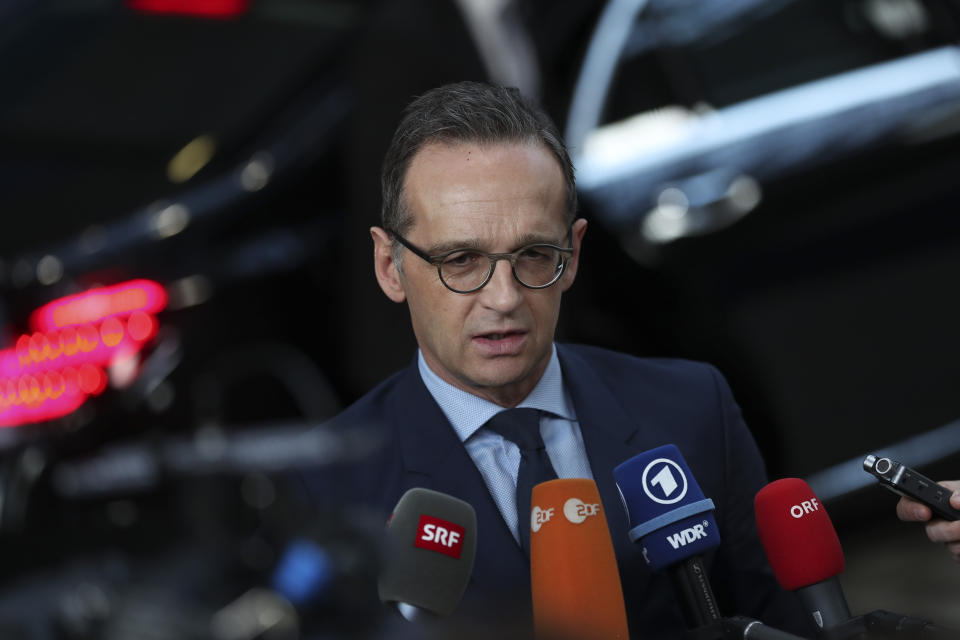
column 516, row 185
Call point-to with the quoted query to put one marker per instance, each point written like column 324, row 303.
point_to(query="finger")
column 951, row 484
column 954, row 548
column 943, row 531
column 912, row 511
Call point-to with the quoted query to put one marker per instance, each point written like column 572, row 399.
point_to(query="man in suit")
column 479, row 239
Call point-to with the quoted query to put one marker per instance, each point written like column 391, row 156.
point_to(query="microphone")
column 802, row 548
column 573, row 570
column 428, row 554
column 327, row 566
column 671, row 518
column 750, row 629
column 886, row 624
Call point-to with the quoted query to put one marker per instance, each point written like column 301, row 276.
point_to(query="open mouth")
column 500, row 336
column 501, row 343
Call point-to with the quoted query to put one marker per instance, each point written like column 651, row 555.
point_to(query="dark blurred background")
column 771, row 187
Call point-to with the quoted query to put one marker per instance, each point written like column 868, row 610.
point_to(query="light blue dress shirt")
column 498, row 459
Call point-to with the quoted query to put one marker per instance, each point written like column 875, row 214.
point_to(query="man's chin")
column 504, row 374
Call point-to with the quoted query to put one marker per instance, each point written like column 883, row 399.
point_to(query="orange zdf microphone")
column 802, row 548
column 573, row 569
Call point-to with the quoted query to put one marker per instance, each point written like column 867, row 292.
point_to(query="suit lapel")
column 433, row 457
column 610, row 436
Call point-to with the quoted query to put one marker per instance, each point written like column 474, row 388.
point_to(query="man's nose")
column 502, row 292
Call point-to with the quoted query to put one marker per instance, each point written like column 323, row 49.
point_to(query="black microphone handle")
column 738, row 628
column 413, row 613
column 693, row 589
column 748, row 628
column 894, row 625
column 825, row 602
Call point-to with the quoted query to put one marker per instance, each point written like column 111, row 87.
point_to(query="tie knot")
column 520, row 426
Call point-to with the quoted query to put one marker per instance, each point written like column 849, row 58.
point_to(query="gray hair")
column 465, row 112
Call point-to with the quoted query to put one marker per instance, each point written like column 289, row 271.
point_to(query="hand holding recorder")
column 922, row 500
column 938, row 530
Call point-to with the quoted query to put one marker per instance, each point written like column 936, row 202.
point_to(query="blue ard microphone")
column 673, row 521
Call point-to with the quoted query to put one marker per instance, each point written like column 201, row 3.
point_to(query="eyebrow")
column 452, row 245
column 525, row 240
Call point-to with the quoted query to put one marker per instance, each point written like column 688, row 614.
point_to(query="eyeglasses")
column 535, row 266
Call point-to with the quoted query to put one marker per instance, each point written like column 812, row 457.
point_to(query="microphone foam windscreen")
column 667, row 511
column 573, row 569
column 429, row 551
column 801, row 544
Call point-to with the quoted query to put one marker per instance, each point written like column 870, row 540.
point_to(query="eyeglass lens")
column 535, row 266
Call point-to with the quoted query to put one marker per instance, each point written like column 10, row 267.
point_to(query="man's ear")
column 388, row 276
column 576, row 235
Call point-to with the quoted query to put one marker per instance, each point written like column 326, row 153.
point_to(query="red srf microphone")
column 573, row 569
column 802, row 548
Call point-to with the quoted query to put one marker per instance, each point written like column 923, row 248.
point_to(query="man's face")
column 494, row 342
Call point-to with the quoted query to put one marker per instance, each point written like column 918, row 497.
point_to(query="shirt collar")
column 467, row 412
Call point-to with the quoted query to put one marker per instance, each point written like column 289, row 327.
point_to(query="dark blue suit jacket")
column 625, row 405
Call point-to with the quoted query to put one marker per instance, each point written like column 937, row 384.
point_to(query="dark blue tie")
column 522, row 427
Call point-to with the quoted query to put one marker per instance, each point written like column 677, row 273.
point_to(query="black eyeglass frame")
column 565, row 254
